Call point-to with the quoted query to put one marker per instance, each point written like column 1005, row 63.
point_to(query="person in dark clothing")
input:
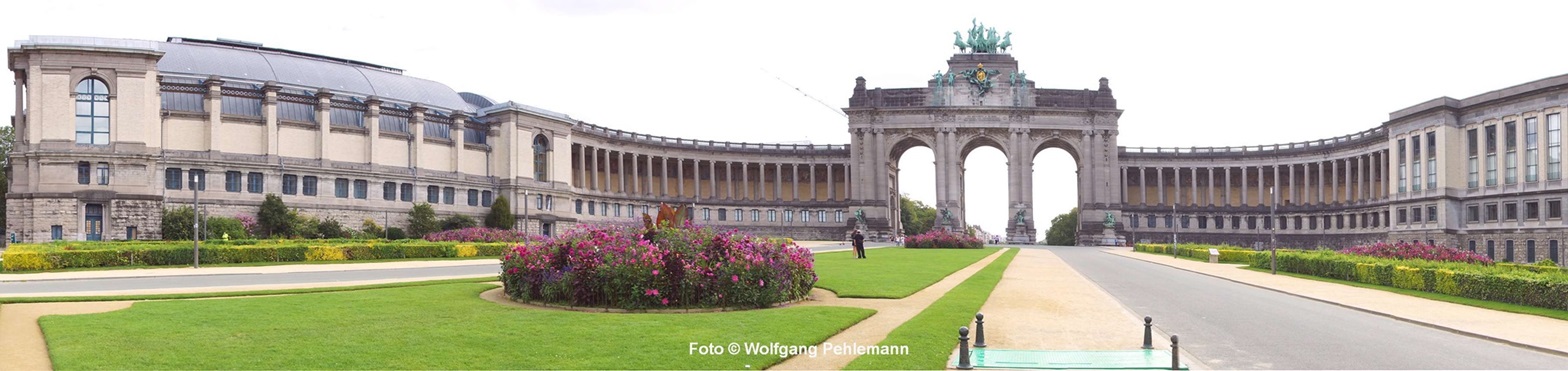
column 859, row 242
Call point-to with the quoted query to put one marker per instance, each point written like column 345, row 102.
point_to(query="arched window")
column 92, row 112
column 541, row 146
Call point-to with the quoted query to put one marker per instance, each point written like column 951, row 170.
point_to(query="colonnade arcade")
column 1350, row 180
column 612, row 172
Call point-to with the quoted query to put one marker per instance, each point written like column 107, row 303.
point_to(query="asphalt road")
column 221, row 280
column 1234, row 326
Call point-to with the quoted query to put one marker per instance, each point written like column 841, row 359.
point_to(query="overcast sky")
column 1186, row 73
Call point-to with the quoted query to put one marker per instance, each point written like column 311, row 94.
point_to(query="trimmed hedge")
column 1546, row 288
column 1228, row 254
column 41, row 257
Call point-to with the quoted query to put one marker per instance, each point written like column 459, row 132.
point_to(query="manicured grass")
column 1506, row 307
column 19, row 275
column 424, row 327
column 891, row 272
column 933, row 333
column 199, row 295
column 1201, row 260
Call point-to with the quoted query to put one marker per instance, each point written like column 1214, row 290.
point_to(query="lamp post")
column 1273, row 223
column 1173, row 229
column 196, row 179
column 526, row 240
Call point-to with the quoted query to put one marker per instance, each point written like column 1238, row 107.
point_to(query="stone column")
column 794, row 182
column 1124, row 171
column 214, row 103
column 1194, row 201
column 459, row 138
column 713, row 180
column 1143, row 186
column 1210, row 198
column 680, row 178
column 417, row 127
column 812, row 176
column 1160, row 178
column 373, row 126
column 324, row 122
column 778, row 182
column 1176, row 186
column 580, row 167
column 745, row 180
column 1227, row 186
column 636, row 176
column 1274, row 199
column 1244, row 186
column 269, row 109
column 1322, row 187
column 857, row 145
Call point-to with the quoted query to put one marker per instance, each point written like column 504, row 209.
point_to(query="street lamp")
column 196, row 179
column 1273, row 224
column 525, row 217
column 1173, row 228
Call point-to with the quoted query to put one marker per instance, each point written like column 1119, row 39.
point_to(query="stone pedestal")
column 1020, row 235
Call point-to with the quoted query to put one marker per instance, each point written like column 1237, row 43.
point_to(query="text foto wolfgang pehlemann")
column 785, row 350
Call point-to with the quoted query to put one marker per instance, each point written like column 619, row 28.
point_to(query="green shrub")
column 422, row 220
column 385, row 251
column 178, row 223
column 395, row 233
column 428, row 251
column 1547, row 288
column 370, row 230
column 217, row 227
column 500, row 216
column 1409, row 278
column 78, row 254
column 1546, row 263
column 458, row 222
column 274, row 219
column 493, row 250
column 15, row 261
column 1444, row 282
column 329, row 228
column 303, row 226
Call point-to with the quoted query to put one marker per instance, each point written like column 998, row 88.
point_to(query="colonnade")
column 636, row 175
column 1354, row 179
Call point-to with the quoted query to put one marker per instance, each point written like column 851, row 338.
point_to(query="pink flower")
column 734, row 278
column 652, row 292
column 761, row 284
column 665, row 301
column 655, row 272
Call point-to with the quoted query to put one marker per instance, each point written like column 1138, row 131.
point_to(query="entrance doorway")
column 94, row 222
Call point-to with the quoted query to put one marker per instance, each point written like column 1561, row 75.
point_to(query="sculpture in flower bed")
column 942, row 239
column 1403, row 250
column 665, row 264
column 478, row 234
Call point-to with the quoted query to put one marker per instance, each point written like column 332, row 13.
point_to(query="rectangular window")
column 433, row 195
column 289, row 186
column 340, row 187
column 198, row 179
column 292, row 111
column 1473, row 165
column 773, row 215
column 579, row 206
column 407, row 192
column 1415, row 215
column 1431, row 160
column 486, row 199
column 361, row 189
column 789, row 216
column 103, row 173
column 1510, row 161
column 1532, row 153
column 241, row 106
column 473, row 197
column 594, row 210
column 1491, row 212
column 56, row 232
column 253, row 182
column 1401, row 163
column 389, row 191
column 1473, row 214
column 1415, row 163
column 1554, row 209
column 1431, row 214
column 705, row 214
column 449, row 195
column 231, row 181
column 1510, row 211
column 172, row 178
column 348, row 117
column 84, row 172
column 1532, row 210
column 308, row 185
column 1554, row 147
column 1491, row 155
column 723, row 214
column 1400, row 214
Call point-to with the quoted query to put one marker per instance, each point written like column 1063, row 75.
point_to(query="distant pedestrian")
column 859, row 241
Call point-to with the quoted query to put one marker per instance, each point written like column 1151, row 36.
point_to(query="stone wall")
column 1542, row 239
column 145, row 215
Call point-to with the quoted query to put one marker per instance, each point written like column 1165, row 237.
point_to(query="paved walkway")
column 1530, row 331
column 1042, row 303
column 188, row 271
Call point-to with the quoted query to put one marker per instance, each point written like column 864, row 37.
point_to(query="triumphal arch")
column 983, row 98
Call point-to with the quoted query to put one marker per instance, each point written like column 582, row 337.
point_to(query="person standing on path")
column 859, row 242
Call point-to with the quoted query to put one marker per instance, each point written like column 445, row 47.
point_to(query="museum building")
column 110, row 132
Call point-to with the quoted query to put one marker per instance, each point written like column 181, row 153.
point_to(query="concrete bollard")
column 1175, row 354
column 963, row 349
column 979, row 330
column 1148, row 332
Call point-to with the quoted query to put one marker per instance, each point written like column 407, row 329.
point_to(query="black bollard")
column 979, row 330
column 1148, row 333
column 1175, row 354
column 963, row 349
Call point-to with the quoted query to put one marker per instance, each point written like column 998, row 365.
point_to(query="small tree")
column 177, row 223
column 501, row 216
column 458, row 222
column 329, row 228
column 422, row 220
column 1064, row 229
column 274, row 218
column 371, row 229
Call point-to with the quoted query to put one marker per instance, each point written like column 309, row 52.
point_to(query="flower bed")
column 1546, row 288
column 480, row 234
column 941, row 239
column 38, row 257
column 625, row 267
column 1421, row 251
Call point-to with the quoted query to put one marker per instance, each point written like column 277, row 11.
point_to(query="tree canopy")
column 1064, row 229
column 916, row 217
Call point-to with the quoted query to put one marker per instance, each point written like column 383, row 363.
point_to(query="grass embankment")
column 891, row 273
column 933, row 333
column 1506, row 307
column 425, row 327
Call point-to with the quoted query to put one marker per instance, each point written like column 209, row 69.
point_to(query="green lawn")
column 891, row 272
column 424, row 327
column 22, row 274
column 1506, row 307
column 229, row 294
column 933, row 333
